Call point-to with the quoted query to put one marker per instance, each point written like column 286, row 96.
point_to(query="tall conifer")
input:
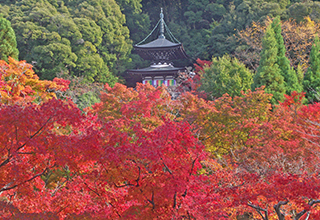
column 291, row 81
column 311, row 80
column 8, row 43
column 268, row 73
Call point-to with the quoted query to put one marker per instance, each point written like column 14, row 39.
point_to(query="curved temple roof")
column 162, row 69
column 158, row 43
column 161, row 49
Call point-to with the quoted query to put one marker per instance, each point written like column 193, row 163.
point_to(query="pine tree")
column 311, row 80
column 291, row 81
column 8, row 43
column 268, row 73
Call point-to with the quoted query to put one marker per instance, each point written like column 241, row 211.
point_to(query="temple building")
column 160, row 52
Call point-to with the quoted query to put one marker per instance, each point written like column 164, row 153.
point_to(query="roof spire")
column 161, row 25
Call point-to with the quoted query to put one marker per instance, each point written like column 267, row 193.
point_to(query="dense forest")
column 90, row 42
column 240, row 141
column 84, row 38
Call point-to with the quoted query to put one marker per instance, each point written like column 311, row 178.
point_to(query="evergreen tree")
column 138, row 23
column 79, row 38
column 269, row 73
column 291, row 82
column 226, row 75
column 240, row 14
column 8, row 43
column 300, row 74
column 311, row 80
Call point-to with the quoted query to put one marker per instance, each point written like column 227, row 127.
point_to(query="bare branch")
column 175, row 200
column 152, row 200
column 16, row 185
column 98, row 194
column 137, row 180
column 124, row 185
column 260, row 210
column 37, row 132
column 312, row 202
column 139, row 168
column 26, row 152
column 277, row 207
column 192, row 167
column 166, row 166
column 6, row 161
column 300, row 214
column 307, row 216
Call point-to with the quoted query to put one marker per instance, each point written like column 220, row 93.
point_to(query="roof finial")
column 161, row 25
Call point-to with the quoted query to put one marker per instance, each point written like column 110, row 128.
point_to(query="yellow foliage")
column 298, row 39
column 19, row 84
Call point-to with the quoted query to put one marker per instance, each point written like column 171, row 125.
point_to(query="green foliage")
column 269, row 73
column 138, row 23
column 87, row 99
column 8, row 43
column 134, row 5
column 226, row 75
column 300, row 74
column 300, row 10
column 191, row 22
column 240, row 15
column 80, row 38
column 83, row 94
column 311, row 80
column 282, row 3
column 213, row 23
column 205, row 27
column 92, row 38
column 194, row 40
column 54, row 55
column 291, row 82
column 200, row 19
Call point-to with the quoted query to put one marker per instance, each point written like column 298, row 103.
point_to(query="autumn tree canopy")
column 138, row 154
column 298, row 38
column 218, row 150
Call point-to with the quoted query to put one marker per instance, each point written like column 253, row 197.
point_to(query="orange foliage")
column 201, row 64
column 19, row 84
column 143, row 157
column 144, row 104
column 223, row 125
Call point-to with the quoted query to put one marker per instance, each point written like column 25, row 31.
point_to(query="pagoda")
column 160, row 52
